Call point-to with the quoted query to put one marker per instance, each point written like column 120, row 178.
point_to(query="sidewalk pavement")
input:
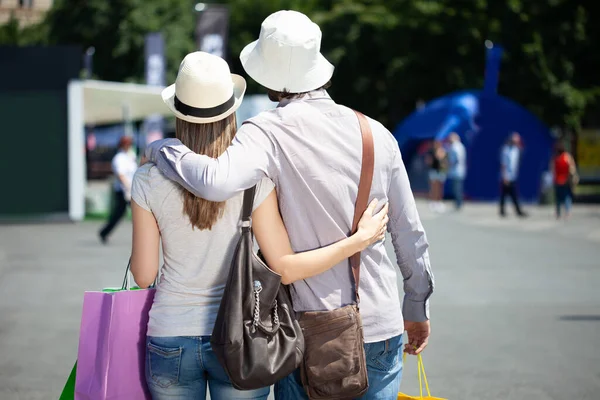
column 515, row 314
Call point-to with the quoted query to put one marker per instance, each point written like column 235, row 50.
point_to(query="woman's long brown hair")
column 211, row 139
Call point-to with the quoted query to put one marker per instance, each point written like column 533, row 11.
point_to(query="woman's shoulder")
column 144, row 170
column 149, row 176
column 142, row 175
column 150, row 171
column 263, row 188
column 150, row 185
column 563, row 157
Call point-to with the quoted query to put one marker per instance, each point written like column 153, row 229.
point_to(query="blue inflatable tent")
column 484, row 121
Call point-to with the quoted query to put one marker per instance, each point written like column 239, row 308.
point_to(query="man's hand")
column 418, row 336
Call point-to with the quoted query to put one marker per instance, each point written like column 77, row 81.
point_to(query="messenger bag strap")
column 364, row 189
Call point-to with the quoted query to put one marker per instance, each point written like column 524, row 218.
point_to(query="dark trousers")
column 509, row 189
column 564, row 197
column 457, row 188
column 117, row 212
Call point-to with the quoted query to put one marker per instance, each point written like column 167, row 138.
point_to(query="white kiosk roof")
column 114, row 102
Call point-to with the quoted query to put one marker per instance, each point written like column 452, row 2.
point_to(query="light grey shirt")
column 196, row 262
column 311, row 148
column 457, row 155
column 510, row 162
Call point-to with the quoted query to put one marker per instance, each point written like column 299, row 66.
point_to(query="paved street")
column 515, row 315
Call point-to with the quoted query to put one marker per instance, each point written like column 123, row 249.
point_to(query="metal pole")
column 128, row 123
column 88, row 61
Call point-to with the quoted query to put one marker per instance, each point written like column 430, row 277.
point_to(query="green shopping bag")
column 68, row 392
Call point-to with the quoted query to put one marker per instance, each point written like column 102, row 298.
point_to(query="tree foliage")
column 388, row 54
column 391, row 54
column 11, row 34
column 117, row 29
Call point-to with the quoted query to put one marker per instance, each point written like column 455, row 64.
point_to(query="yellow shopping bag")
column 422, row 377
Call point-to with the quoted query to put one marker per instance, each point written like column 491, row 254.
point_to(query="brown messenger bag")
column 334, row 365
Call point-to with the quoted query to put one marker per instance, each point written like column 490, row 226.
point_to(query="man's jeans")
column 384, row 368
column 180, row 367
column 457, row 189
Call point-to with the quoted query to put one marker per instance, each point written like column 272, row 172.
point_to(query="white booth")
column 99, row 102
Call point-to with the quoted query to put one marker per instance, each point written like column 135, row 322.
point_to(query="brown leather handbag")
column 334, row 366
column 256, row 337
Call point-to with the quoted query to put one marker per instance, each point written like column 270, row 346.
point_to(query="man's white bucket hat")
column 205, row 90
column 287, row 54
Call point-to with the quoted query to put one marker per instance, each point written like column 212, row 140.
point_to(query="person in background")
column 198, row 237
column 564, row 173
column 457, row 160
column 124, row 166
column 509, row 164
column 437, row 161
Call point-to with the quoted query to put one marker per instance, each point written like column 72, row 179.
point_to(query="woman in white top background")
column 123, row 166
column 199, row 238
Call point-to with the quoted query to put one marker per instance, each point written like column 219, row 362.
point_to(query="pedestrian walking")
column 509, row 164
column 438, row 163
column 564, row 173
column 457, row 160
column 124, row 166
column 312, row 149
column 198, row 238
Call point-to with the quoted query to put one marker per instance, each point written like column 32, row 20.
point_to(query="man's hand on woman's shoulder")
column 154, row 148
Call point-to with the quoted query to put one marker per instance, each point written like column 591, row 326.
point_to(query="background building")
column 25, row 11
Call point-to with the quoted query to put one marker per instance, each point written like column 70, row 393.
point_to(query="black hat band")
column 203, row 112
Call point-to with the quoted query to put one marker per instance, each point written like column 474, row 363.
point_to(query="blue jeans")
column 564, row 196
column 457, row 189
column 384, row 368
column 180, row 367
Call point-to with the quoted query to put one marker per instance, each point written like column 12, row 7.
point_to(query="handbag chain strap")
column 247, row 226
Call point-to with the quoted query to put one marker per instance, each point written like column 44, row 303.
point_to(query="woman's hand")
column 372, row 227
column 274, row 243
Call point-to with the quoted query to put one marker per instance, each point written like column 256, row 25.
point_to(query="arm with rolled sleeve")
column 410, row 244
column 250, row 158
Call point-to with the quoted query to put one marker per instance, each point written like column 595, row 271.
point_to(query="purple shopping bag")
column 110, row 360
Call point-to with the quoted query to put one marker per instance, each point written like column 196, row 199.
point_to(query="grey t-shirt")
column 196, row 262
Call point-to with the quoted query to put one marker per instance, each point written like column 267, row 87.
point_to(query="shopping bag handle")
column 421, row 370
column 127, row 279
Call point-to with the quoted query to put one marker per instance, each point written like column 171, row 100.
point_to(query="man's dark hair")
column 278, row 96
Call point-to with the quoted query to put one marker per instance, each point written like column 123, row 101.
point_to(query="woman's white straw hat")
column 287, row 54
column 205, row 90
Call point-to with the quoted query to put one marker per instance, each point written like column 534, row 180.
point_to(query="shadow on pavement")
column 580, row 318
